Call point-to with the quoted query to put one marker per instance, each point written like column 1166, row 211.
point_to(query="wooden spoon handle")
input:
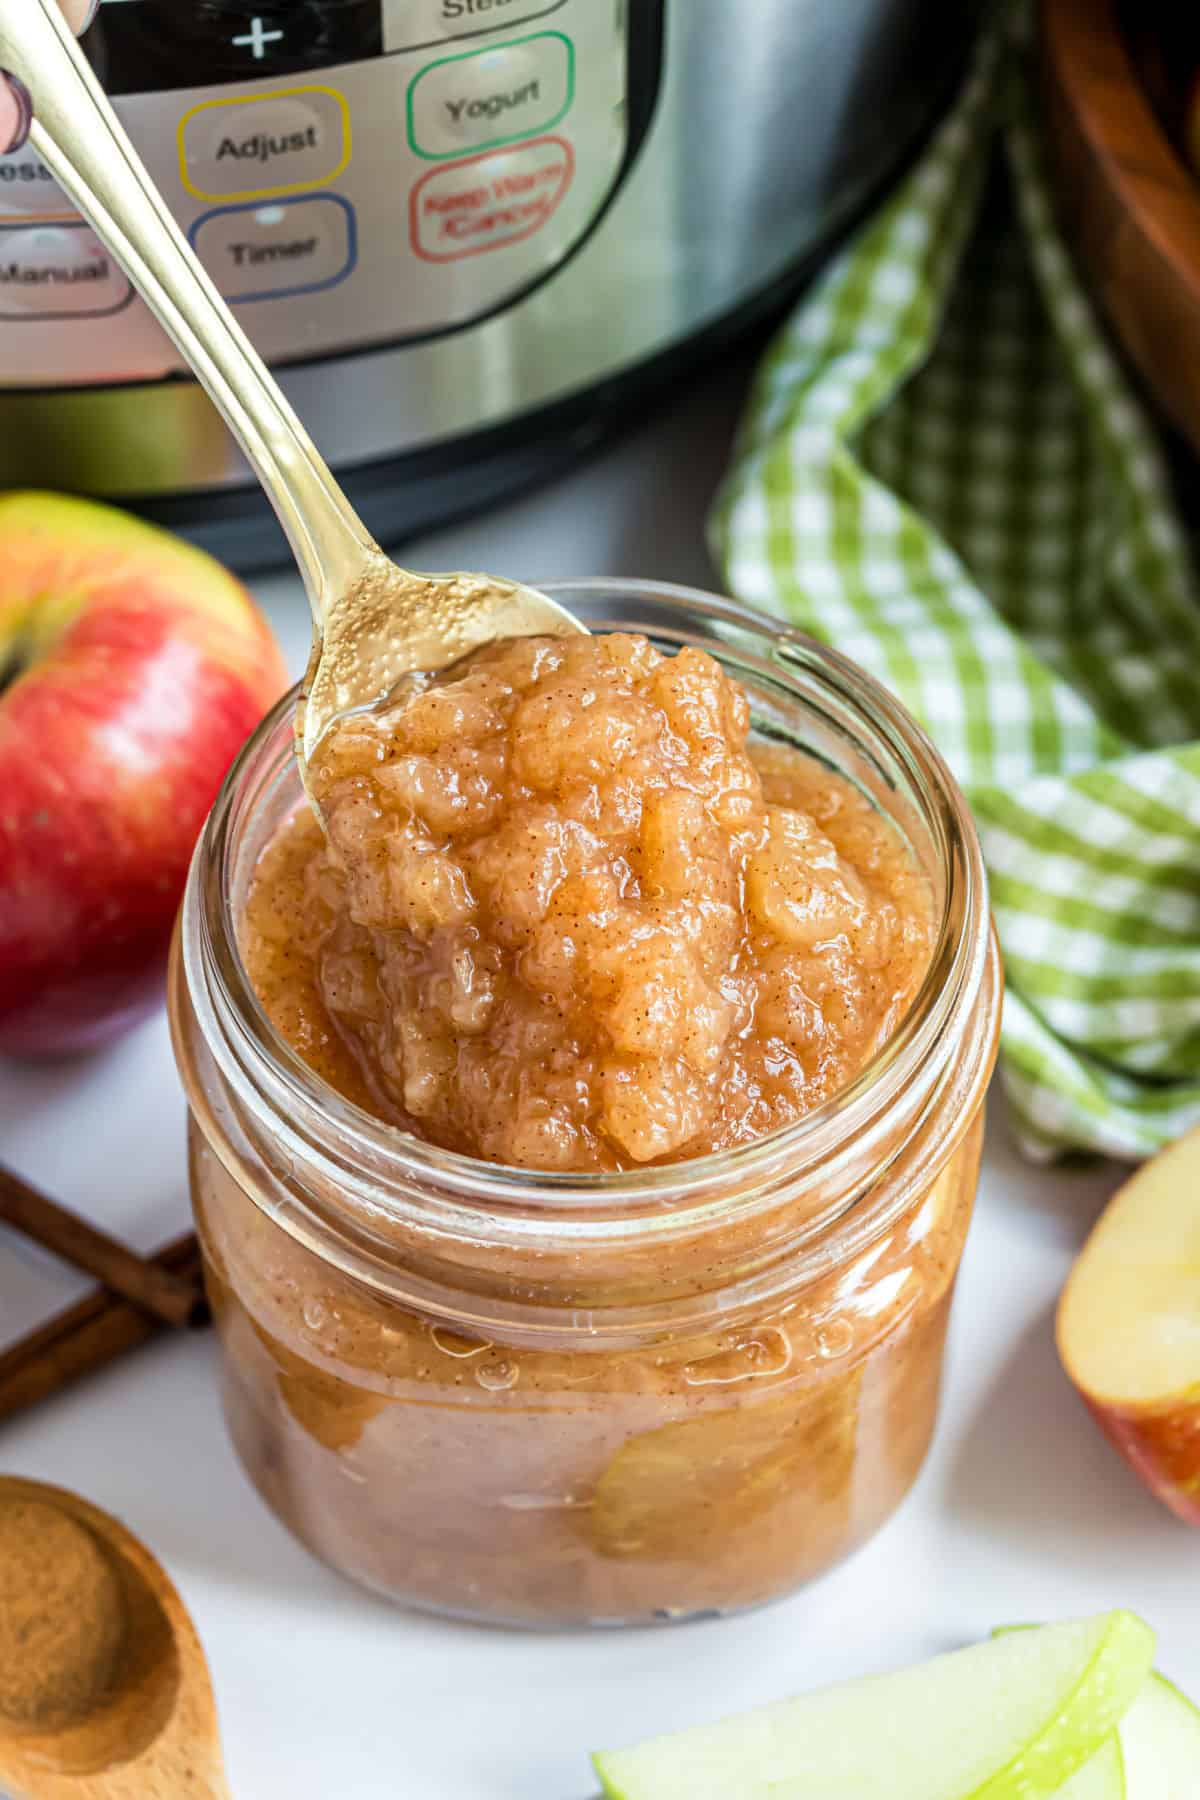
column 186, row 1779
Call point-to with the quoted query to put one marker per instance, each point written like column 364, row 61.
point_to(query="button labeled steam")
column 483, row 98
column 273, row 251
column 58, row 272
column 419, row 24
column 264, row 145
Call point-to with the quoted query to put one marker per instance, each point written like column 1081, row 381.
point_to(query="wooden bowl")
column 1127, row 200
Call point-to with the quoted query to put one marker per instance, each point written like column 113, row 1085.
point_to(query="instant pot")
column 469, row 234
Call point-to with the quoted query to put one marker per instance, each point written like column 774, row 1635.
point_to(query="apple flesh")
column 132, row 668
column 1011, row 1719
column 1154, row 1754
column 1159, row 1739
column 1102, row 1777
column 1129, row 1324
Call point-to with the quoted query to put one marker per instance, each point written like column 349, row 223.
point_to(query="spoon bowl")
column 130, row 1715
column 373, row 621
column 392, row 623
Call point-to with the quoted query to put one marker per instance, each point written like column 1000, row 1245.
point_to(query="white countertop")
column 1021, row 1513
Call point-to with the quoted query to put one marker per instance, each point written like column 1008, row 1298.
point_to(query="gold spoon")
column 373, row 621
column 104, row 1688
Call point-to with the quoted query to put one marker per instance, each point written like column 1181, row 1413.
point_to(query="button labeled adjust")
column 272, row 252
column 58, row 272
column 262, row 145
column 485, row 202
column 481, row 99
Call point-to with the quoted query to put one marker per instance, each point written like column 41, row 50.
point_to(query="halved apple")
column 1129, row 1324
column 1011, row 1719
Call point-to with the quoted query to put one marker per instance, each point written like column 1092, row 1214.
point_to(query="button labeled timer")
column 273, row 252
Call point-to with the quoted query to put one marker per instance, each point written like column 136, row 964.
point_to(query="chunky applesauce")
column 564, row 914
column 567, row 919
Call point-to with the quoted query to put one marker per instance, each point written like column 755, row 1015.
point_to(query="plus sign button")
column 157, row 45
column 258, row 37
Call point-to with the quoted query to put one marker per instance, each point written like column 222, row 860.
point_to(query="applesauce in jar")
column 585, row 1124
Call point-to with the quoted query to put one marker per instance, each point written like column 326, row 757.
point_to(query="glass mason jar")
column 611, row 1398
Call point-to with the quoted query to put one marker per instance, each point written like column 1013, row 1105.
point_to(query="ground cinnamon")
column 62, row 1617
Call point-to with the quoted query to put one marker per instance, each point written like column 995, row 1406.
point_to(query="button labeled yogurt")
column 491, row 96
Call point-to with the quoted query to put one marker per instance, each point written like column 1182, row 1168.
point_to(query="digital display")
column 149, row 46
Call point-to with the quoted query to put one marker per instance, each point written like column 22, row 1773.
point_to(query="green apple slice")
column 1160, row 1743
column 1102, row 1776
column 1010, row 1719
column 1154, row 1754
column 1157, row 1745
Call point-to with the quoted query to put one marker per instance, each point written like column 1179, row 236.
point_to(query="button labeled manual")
column 260, row 146
column 485, row 202
column 485, row 98
column 272, row 252
column 58, row 272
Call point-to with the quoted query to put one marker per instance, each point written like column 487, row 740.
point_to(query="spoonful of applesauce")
column 104, row 1688
column 373, row 621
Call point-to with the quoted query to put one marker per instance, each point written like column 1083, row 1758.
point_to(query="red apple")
column 1129, row 1324
column 132, row 667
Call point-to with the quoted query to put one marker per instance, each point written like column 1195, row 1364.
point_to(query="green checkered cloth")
column 943, row 472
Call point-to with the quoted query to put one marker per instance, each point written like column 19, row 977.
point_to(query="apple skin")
column 1126, row 1324
column 136, row 668
column 1162, row 1447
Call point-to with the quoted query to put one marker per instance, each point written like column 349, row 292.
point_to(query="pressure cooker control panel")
column 351, row 172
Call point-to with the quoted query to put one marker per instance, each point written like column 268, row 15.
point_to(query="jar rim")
column 455, row 1190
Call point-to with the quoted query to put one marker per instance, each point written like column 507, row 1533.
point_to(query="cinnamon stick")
column 168, row 1295
column 86, row 1337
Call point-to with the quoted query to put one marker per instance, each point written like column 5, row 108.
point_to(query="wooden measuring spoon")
column 373, row 621
column 104, row 1688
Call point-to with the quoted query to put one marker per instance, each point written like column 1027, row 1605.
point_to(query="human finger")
column 16, row 112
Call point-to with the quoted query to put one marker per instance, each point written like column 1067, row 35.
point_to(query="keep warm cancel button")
column 487, row 201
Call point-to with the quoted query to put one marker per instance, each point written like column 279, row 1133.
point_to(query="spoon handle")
column 81, row 141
